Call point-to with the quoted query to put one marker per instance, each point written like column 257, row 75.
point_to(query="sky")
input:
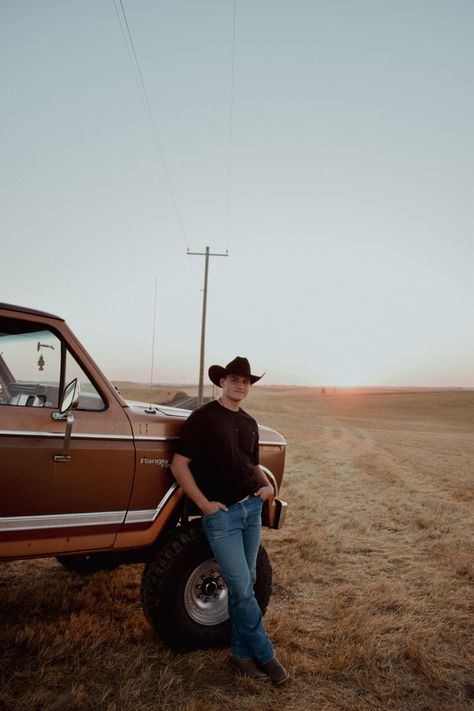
column 332, row 158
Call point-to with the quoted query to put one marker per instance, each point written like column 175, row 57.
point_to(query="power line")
column 147, row 104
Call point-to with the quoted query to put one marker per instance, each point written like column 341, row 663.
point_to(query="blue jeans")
column 234, row 538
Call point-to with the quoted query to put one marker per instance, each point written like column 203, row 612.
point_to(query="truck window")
column 90, row 397
column 30, row 364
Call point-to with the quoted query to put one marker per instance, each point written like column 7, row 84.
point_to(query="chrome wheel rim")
column 205, row 594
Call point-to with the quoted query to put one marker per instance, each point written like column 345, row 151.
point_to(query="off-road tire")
column 166, row 579
column 88, row 563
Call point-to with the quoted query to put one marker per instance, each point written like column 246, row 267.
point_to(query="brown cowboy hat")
column 238, row 366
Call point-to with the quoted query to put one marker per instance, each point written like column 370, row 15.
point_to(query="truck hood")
column 267, row 435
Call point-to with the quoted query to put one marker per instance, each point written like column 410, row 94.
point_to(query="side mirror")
column 70, row 398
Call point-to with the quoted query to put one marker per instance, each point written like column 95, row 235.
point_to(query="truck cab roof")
column 25, row 309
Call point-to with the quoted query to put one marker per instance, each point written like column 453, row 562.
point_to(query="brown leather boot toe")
column 247, row 667
column 276, row 671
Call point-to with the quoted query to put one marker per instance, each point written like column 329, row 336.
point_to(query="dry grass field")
column 373, row 579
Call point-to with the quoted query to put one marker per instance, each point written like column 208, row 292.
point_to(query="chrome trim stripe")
column 60, row 435
column 95, row 518
column 158, row 438
column 143, row 516
column 84, row 435
column 129, row 438
column 89, row 435
column 272, row 478
column 149, row 515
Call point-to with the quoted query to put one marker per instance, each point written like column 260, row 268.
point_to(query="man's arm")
column 183, row 475
column 266, row 490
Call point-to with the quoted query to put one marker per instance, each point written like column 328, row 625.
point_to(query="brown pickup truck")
column 85, row 477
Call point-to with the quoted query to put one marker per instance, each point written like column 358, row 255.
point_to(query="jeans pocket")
column 212, row 515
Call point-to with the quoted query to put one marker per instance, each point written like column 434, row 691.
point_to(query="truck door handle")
column 65, row 456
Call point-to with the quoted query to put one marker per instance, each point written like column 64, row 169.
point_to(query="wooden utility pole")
column 206, row 254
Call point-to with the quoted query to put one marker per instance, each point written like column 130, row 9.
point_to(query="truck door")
column 49, row 506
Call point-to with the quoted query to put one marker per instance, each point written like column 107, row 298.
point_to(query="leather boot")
column 276, row 671
column 247, row 667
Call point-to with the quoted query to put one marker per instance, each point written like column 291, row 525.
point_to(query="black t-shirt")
column 223, row 448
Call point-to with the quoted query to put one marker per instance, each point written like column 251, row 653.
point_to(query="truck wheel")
column 88, row 563
column 184, row 596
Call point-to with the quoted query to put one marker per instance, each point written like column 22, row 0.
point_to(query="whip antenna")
column 151, row 408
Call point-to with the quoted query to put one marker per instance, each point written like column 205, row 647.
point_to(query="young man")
column 216, row 464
